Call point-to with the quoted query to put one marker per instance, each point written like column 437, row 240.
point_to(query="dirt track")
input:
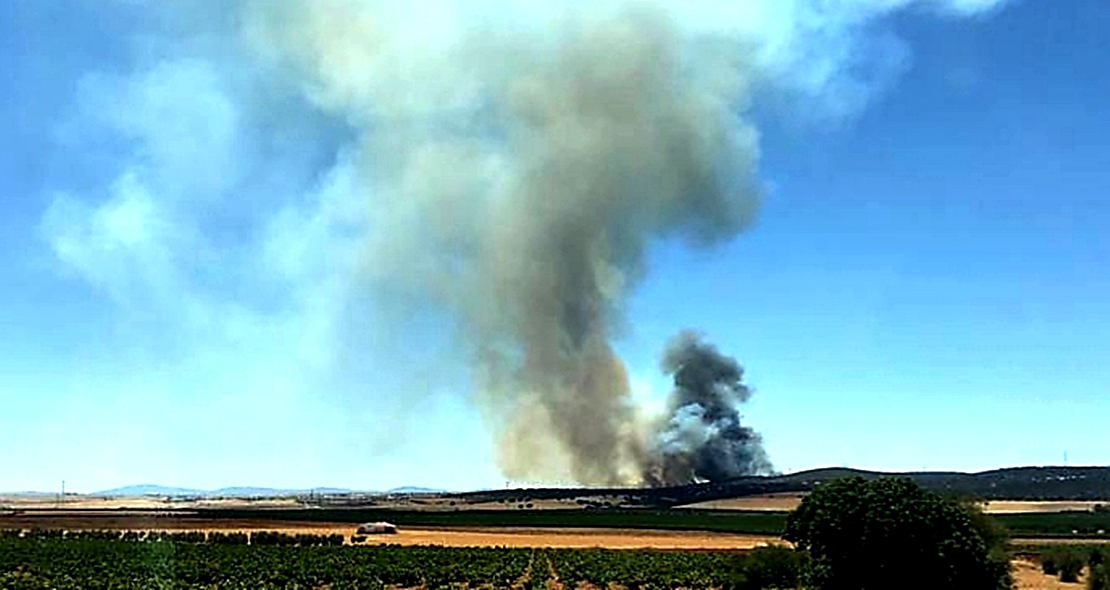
column 576, row 538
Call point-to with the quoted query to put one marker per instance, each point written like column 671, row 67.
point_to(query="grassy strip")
column 724, row 521
column 1036, row 525
column 1035, row 549
column 1093, row 525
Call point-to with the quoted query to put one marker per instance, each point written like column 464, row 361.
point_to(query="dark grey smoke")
column 702, row 437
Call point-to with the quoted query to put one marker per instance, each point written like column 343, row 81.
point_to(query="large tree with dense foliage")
column 889, row 533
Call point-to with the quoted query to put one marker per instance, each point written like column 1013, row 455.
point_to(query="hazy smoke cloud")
column 702, row 439
column 520, row 161
column 524, row 201
column 503, row 164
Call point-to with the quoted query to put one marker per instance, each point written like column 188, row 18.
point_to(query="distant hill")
column 1015, row 483
column 150, row 490
column 1018, row 483
column 415, row 490
column 230, row 492
column 247, row 492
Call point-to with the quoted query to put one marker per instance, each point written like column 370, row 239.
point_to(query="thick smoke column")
column 519, row 158
column 494, row 169
column 702, row 439
column 516, row 182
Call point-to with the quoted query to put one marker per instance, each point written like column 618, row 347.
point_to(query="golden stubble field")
column 786, row 502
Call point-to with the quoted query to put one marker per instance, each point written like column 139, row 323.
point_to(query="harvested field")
column 1042, row 541
column 1023, row 507
column 769, row 503
column 451, row 537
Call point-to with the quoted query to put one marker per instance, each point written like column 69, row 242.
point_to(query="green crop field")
column 723, row 521
column 49, row 560
column 1051, row 524
column 1058, row 524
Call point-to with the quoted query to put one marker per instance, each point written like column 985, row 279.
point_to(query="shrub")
column 228, row 538
column 1049, row 565
column 889, row 533
column 1099, row 578
column 1065, row 562
column 1096, row 556
column 771, row 567
column 272, row 538
column 1070, row 569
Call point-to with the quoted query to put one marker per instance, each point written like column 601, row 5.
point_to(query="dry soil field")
column 453, row 537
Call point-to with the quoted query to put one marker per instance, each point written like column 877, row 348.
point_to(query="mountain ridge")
column 243, row 491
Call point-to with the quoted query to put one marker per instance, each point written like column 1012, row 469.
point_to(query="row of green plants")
column 755, row 522
column 756, row 569
column 41, row 562
column 1088, row 524
column 217, row 538
column 70, row 564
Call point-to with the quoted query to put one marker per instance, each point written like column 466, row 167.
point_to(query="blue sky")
column 925, row 287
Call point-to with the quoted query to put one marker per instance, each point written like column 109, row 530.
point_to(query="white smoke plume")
column 521, row 160
column 512, row 162
column 517, row 183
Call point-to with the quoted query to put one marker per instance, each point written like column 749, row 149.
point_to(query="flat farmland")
column 788, row 502
column 459, row 536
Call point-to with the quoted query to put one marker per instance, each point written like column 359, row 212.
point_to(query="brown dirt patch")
column 1028, row 576
column 769, row 502
column 1023, row 507
column 452, row 537
column 573, row 538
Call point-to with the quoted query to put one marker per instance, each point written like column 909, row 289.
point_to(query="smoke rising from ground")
column 240, row 179
column 517, row 184
column 702, row 438
column 503, row 164
column 521, row 160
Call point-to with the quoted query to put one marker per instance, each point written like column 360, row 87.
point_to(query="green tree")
column 889, row 533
